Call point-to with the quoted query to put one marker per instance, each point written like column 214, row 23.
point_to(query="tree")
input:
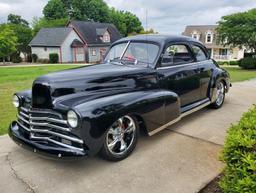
column 38, row 23
column 238, row 29
column 95, row 10
column 16, row 19
column 132, row 22
column 8, row 42
column 22, row 31
column 55, row 9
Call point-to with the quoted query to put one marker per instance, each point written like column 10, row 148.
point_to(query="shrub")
column 54, row 58
column 233, row 63
column 239, row 155
column 34, row 58
column 223, row 63
column 248, row 63
column 15, row 58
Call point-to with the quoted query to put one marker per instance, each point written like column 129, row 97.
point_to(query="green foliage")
column 239, row 29
column 39, row 23
column 231, row 63
column 55, row 9
column 8, row 41
column 34, row 58
column 248, row 63
column 95, row 10
column 15, row 58
column 24, row 36
column 22, row 31
column 54, row 58
column 240, row 157
column 16, row 19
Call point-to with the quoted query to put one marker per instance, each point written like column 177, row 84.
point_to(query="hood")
column 95, row 79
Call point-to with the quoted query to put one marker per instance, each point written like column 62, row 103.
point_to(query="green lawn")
column 13, row 79
column 237, row 74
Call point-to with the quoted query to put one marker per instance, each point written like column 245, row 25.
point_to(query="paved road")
column 182, row 158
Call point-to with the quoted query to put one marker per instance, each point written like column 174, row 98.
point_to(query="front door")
column 179, row 73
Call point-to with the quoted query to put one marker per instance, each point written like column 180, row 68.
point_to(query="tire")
column 120, row 139
column 220, row 95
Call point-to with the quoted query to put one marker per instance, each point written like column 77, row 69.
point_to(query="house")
column 207, row 34
column 79, row 41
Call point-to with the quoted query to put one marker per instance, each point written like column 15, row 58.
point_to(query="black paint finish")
column 102, row 93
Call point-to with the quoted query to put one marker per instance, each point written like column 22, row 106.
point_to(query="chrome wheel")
column 220, row 94
column 121, row 135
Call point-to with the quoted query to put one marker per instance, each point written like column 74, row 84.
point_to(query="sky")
column 164, row 16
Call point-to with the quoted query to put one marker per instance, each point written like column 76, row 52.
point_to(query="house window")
column 106, row 37
column 209, row 37
column 223, row 52
column 94, row 52
column 195, row 35
column 45, row 49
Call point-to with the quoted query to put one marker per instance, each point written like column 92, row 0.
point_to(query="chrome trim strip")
column 49, row 125
column 48, row 119
column 41, row 112
column 24, row 120
column 27, row 129
column 180, row 65
column 164, row 126
column 24, row 115
column 56, row 142
column 195, row 109
column 179, row 118
column 58, row 135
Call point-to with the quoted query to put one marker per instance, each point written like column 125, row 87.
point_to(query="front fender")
column 99, row 114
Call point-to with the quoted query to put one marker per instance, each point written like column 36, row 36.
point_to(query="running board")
column 184, row 114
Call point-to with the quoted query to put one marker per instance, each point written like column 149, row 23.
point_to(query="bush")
column 34, row 58
column 239, row 154
column 234, row 62
column 223, row 63
column 54, row 58
column 15, row 58
column 248, row 63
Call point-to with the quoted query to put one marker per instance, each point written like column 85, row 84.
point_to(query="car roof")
column 160, row 39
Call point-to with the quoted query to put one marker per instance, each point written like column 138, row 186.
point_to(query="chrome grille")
column 48, row 126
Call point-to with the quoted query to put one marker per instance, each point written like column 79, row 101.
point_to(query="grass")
column 237, row 74
column 13, row 79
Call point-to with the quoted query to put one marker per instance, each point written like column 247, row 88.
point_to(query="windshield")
column 136, row 53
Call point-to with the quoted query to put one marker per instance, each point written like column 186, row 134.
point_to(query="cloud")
column 164, row 16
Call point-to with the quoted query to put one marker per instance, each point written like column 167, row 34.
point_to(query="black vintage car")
column 145, row 84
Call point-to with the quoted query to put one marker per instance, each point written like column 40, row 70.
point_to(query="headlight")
column 72, row 119
column 15, row 101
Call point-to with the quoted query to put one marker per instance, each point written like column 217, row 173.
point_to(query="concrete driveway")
column 182, row 158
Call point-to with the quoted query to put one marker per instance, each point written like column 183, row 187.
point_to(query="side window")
column 199, row 53
column 176, row 54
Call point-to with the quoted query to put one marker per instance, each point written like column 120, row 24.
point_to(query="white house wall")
column 67, row 55
column 43, row 53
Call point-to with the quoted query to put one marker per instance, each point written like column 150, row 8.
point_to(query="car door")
column 205, row 66
column 178, row 72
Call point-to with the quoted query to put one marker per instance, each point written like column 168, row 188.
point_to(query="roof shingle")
column 50, row 37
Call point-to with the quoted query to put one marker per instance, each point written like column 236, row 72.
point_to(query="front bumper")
column 42, row 147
